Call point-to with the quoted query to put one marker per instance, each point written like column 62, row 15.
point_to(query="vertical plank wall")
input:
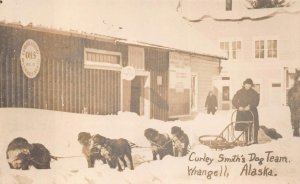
column 62, row 83
column 157, row 62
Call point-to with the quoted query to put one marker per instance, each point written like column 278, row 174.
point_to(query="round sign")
column 128, row 73
column 30, row 58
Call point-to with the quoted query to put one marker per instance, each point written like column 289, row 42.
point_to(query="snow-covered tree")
column 256, row 4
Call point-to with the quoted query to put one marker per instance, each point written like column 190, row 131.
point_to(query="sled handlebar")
column 235, row 112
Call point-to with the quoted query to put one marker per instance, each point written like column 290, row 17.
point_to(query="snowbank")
column 58, row 132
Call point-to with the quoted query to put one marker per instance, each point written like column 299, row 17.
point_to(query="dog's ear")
column 153, row 133
column 146, row 133
column 20, row 142
column 96, row 138
column 84, row 136
column 175, row 130
column 99, row 139
column 102, row 139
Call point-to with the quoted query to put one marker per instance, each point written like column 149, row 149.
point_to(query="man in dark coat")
column 294, row 104
column 211, row 103
column 246, row 101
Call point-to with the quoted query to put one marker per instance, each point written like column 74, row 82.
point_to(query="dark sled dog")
column 161, row 144
column 113, row 150
column 180, row 141
column 21, row 155
column 91, row 153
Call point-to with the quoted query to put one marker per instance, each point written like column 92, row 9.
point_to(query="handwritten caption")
column 251, row 164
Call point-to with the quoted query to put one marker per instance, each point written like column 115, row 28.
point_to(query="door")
column 225, row 98
column 135, row 95
column 139, row 98
column 137, row 89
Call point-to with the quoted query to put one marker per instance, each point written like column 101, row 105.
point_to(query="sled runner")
column 237, row 133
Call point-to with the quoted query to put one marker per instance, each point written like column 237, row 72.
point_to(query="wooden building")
column 255, row 45
column 83, row 73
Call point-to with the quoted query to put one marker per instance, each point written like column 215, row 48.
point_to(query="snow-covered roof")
column 134, row 21
column 196, row 11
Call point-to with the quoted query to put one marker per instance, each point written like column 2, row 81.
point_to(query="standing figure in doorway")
column 294, row 104
column 211, row 103
column 246, row 101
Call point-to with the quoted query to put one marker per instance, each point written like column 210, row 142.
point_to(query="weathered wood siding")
column 62, row 83
column 157, row 62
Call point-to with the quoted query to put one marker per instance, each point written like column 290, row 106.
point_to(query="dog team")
column 21, row 154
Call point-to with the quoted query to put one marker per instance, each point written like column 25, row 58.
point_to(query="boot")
column 296, row 129
column 296, row 132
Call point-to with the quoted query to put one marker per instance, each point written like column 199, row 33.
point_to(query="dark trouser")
column 256, row 128
column 296, row 128
column 250, row 133
column 247, row 116
column 211, row 110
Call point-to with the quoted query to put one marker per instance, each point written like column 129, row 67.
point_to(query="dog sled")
column 236, row 133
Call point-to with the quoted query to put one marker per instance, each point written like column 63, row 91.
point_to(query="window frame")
column 272, row 49
column 225, row 98
column 234, row 54
column 266, row 39
column 89, row 64
column 227, row 50
column 235, row 49
column 259, row 50
column 228, row 5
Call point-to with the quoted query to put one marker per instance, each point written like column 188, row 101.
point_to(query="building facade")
column 82, row 73
column 262, row 44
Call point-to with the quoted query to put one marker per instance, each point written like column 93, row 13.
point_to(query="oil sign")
column 30, row 58
column 128, row 73
column 179, row 84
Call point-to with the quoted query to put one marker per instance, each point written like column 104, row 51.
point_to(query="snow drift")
column 58, row 132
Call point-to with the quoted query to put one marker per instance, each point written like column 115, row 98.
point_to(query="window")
column 225, row 93
column 272, row 48
column 228, row 5
column 259, row 49
column 276, row 85
column 225, row 78
column 236, row 49
column 225, row 46
column 266, row 49
column 233, row 49
column 100, row 59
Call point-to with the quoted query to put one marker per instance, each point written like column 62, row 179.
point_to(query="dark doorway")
column 137, row 95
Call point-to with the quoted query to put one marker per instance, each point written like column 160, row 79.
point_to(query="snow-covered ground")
column 58, row 132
